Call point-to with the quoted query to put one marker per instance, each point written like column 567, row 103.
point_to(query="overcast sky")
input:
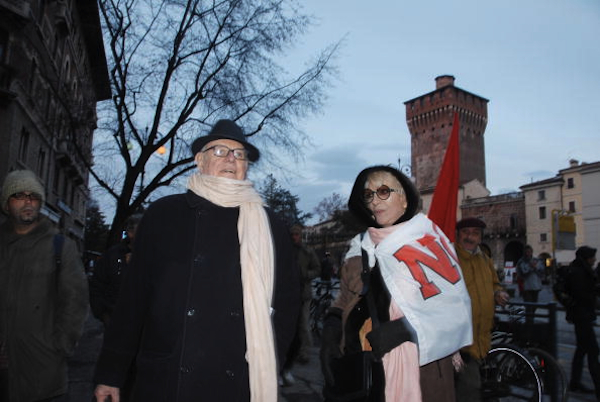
column 537, row 61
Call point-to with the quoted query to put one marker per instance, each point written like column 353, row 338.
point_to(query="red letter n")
column 441, row 264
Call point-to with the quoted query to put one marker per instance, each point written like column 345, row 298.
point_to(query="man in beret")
column 485, row 291
column 43, row 295
column 210, row 300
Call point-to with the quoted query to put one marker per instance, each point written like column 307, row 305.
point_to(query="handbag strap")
column 366, row 278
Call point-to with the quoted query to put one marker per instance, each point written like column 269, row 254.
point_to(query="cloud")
column 333, row 169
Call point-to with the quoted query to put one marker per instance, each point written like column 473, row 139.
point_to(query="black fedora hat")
column 226, row 129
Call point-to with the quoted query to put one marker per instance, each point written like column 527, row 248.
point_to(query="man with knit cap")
column 210, row 300
column 43, row 296
column 485, row 291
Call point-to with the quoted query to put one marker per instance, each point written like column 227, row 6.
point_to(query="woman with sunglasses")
column 420, row 297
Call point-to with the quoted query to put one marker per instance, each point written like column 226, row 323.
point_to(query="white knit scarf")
column 257, row 262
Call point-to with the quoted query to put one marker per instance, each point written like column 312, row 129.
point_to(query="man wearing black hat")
column 582, row 285
column 43, row 295
column 211, row 299
column 485, row 290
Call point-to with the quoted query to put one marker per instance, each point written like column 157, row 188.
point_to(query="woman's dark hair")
column 359, row 209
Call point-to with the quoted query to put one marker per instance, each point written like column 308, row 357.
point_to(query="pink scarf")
column 401, row 364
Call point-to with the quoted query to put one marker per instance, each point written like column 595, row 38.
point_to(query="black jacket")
column 105, row 283
column 583, row 287
column 181, row 307
column 43, row 306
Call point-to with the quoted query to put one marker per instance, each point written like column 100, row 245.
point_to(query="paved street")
column 308, row 376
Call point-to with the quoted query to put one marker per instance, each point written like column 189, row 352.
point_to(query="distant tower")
column 429, row 118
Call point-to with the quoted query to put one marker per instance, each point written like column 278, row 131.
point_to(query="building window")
column 67, row 73
column 56, row 45
column 541, row 195
column 542, row 212
column 33, row 78
column 56, row 181
column 72, row 200
column 570, row 183
column 513, row 221
column 23, row 145
column 3, row 45
column 571, row 206
column 41, row 7
column 41, row 162
column 543, row 237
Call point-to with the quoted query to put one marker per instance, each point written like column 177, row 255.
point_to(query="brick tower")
column 429, row 118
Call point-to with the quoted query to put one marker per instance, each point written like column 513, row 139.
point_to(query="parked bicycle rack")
column 538, row 328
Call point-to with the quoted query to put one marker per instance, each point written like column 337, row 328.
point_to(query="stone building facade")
column 514, row 219
column 574, row 192
column 53, row 71
column 429, row 118
column 504, row 216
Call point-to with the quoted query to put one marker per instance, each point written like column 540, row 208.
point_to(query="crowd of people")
column 207, row 297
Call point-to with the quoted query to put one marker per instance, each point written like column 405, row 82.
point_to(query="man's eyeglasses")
column 383, row 193
column 25, row 196
column 222, row 151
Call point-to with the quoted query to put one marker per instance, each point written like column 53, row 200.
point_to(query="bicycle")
column 323, row 294
column 508, row 374
column 517, row 331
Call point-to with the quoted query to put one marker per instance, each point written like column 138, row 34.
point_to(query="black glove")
column 331, row 338
column 389, row 335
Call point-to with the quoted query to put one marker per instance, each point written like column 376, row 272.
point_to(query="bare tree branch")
column 177, row 66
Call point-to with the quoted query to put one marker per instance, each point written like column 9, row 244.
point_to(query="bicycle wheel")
column 318, row 308
column 508, row 374
column 553, row 376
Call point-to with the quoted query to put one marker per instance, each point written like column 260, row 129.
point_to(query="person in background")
column 411, row 310
column 308, row 265
column 326, row 267
column 582, row 285
column 485, row 291
column 531, row 270
column 109, row 270
column 499, row 270
column 105, row 285
column 43, row 296
column 209, row 301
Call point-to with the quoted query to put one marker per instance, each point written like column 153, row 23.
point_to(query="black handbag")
column 358, row 377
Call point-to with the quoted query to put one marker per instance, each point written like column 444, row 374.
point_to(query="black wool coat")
column 180, row 310
column 582, row 285
column 105, row 283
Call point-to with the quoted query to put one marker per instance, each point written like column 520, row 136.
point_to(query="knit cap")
column 585, row 252
column 18, row 181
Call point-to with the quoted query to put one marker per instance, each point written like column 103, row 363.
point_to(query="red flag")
column 443, row 205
